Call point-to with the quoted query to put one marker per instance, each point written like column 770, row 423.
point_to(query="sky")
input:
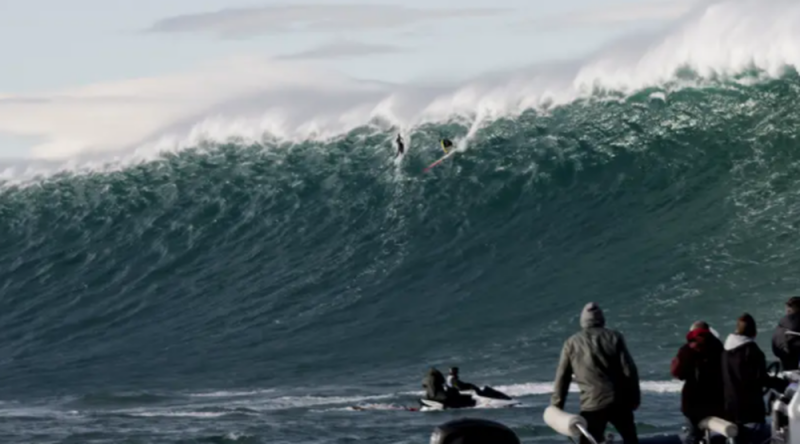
column 51, row 44
column 119, row 51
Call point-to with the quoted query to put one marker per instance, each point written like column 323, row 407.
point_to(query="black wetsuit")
column 461, row 385
column 486, row 391
column 400, row 147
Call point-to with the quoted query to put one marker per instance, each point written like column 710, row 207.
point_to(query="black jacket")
column 434, row 385
column 787, row 347
column 744, row 375
column 699, row 364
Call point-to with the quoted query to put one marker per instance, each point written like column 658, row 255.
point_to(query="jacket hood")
column 735, row 341
column 698, row 334
column 592, row 316
column 702, row 335
column 702, row 331
column 702, row 340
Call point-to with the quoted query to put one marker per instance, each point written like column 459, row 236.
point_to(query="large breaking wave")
column 291, row 252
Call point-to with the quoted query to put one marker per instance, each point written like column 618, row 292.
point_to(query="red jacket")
column 699, row 364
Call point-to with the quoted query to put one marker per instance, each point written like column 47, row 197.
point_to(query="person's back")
column 699, row 364
column 744, row 376
column 434, row 385
column 605, row 373
column 437, row 390
column 786, row 346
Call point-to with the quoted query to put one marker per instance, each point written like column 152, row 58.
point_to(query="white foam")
column 546, row 388
column 234, row 100
column 370, row 406
column 176, row 414
column 287, row 402
column 539, row 388
column 231, row 394
column 37, row 412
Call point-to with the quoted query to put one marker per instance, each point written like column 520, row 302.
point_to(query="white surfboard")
column 440, row 160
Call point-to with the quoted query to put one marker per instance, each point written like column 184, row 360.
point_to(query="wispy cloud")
column 247, row 22
column 615, row 14
column 114, row 115
column 342, row 49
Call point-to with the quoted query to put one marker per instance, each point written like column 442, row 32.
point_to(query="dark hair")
column 746, row 326
column 794, row 303
column 700, row 325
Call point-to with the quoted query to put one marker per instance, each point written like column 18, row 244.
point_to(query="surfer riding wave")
column 401, row 148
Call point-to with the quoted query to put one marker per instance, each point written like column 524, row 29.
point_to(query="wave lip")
column 716, row 38
column 275, row 100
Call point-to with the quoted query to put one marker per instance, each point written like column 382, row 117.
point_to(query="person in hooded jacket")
column 698, row 363
column 786, row 346
column 744, row 376
column 605, row 373
column 434, row 385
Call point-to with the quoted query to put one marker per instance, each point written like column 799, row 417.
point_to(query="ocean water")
column 243, row 291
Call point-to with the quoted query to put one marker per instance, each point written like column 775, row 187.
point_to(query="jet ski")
column 484, row 397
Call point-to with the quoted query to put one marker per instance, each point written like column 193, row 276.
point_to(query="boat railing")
column 727, row 429
column 567, row 424
column 575, row 427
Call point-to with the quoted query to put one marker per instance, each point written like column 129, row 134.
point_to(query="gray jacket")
column 603, row 367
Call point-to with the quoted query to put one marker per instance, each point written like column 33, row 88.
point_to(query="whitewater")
column 247, row 262
column 260, row 101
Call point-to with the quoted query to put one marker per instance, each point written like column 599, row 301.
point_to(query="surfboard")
column 439, row 161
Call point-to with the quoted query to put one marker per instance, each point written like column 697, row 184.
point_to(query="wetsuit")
column 454, row 382
column 446, row 144
column 400, row 146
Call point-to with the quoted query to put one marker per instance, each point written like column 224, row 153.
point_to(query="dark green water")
column 250, row 294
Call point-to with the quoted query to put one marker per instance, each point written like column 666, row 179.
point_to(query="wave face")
column 330, row 259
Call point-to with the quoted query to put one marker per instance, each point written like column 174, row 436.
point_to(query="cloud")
column 616, row 14
column 248, row 22
column 342, row 49
column 115, row 115
column 22, row 99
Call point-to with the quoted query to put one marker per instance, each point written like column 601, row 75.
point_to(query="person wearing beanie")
column 606, row 376
column 785, row 345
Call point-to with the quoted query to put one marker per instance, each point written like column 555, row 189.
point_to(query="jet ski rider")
column 454, row 382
